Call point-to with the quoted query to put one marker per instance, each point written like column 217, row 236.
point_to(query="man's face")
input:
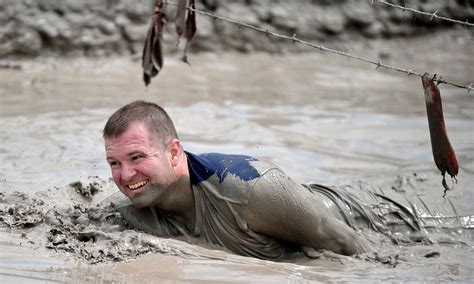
column 141, row 170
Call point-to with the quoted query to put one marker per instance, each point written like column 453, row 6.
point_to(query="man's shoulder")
column 244, row 167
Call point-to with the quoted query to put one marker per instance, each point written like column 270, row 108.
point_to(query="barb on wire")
column 431, row 15
column 295, row 40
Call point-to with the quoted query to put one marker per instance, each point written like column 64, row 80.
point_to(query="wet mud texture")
column 86, row 191
column 91, row 233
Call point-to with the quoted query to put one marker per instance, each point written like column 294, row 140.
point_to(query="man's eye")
column 113, row 163
column 137, row 157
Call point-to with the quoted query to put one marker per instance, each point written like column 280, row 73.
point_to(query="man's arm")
column 282, row 209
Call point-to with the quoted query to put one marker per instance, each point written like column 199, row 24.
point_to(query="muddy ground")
column 321, row 117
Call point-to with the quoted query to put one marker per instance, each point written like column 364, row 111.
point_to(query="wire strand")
column 294, row 39
column 431, row 15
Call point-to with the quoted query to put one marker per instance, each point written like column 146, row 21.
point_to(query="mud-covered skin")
column 443, row 153
column 285, row 210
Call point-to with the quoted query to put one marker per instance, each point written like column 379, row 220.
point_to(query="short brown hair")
column 155, row 118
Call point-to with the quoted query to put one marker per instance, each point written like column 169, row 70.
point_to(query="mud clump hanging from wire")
column 185, row 22
column 443, row 153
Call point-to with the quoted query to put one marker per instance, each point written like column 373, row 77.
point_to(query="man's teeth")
column 137, row 185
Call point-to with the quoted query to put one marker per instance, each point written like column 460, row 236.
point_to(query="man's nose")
column 128, row 171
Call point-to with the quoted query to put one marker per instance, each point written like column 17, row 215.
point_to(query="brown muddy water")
column 321, row 117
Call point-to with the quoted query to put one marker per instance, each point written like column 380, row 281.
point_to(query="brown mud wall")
column 31, row 28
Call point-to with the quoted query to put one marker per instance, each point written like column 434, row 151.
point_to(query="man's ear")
column 175, row 151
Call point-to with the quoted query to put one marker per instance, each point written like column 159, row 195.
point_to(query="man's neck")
column 180, row 200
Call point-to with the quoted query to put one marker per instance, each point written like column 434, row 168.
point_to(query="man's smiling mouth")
column 137, row 185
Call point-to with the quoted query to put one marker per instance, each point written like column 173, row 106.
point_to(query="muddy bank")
column 95, row 28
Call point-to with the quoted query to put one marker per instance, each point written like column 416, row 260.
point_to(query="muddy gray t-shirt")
column 222, row 186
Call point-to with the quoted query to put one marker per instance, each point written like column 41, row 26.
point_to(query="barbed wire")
column 431, row 15
column 295, row 40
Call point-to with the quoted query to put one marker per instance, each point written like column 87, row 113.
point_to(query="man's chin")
column 145, row 198
column 141, row 201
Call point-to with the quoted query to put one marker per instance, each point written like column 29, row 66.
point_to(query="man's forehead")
column 134, row 135
column 136, row 138
column 134, row 130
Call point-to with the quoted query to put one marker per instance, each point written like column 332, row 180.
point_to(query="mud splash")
column 87, row 231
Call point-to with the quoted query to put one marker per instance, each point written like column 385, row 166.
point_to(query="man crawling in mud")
column 241, row 203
